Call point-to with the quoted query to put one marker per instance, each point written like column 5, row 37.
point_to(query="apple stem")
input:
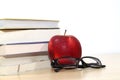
column 65, row 32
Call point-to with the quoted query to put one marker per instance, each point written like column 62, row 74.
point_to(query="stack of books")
column 24, row 43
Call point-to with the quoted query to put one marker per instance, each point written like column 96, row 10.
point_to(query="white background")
column 96, row 23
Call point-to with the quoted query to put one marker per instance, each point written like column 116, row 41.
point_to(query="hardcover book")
column 26, row 36
column 25, row 41
column 27, row 23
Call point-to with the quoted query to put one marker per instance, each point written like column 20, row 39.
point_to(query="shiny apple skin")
column 67, row 46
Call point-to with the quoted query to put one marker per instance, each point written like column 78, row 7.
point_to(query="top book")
column 27, row 23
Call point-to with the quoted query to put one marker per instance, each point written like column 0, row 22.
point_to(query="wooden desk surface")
column 111, row 72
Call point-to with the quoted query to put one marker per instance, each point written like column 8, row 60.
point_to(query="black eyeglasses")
column 96, row 64
column 76, row 63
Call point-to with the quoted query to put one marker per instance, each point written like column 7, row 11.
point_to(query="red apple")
column 65, row 48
